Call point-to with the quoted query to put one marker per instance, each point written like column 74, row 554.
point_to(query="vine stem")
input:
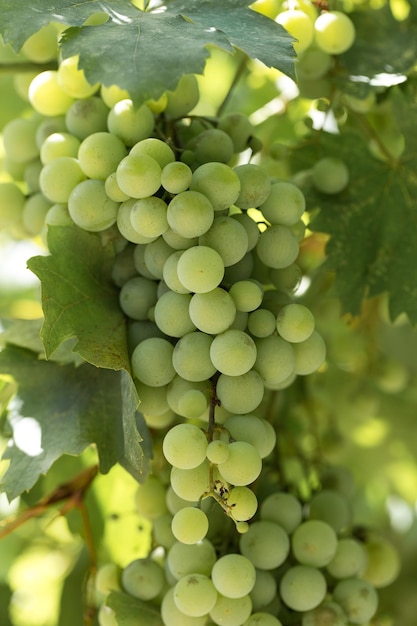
column 238, row 75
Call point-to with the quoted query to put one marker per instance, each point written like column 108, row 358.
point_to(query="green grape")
column 149, row 216
column 107, row 578
column 242, row 502
column 282, row 508
column 162, row 533
column 113, row 190
column 251, row 429
column 34, row 213
column 193, row 404
column 212, row 312
column 261, row 323
column 59, row 178
column 299, row 25
column 42, row 46
column 264, row 590
column 19, row 139
column 233, row 352
column 334, row 32
column 12, row 201
column 171, row 314
column 326, row 614
column 58, row 215
column 357, row 598
column 177, row 242
column 239, row 129
column 314, row 64
column 72, row 79
column 240, row 394
column 295, row 323
column 350, row 559
column 212, row 145
column 150, row 498
column 176, row 177
column 231, row 611
column 233, row 575
column 175, row 503
column 106, row 616
column 255, row 185
column 227, row 237
column 265, row 544
column 314, row 543
column 129, row 123
column 111, row 94
column 217, row 451
column 172, row 616
column 243, row 464
column 250, row 226
column 190, row 525
column 57, row 145
column 309, row 354
column 155, row 255
column 126, row 229
column 143, row 579
column 195, row 595
column 137, row 296
column 153, row 400
column 262, row 619
column 100, row 154
column 185, row 446
column 275, row 360
column 330, row 175
column 184, row 97
column 152, row 362
column 90, row 207
column 87, row 116
column 286, row 279
column 21, row 83
column 200, row 269
column 277, row 247
column 48, row 126
column 191, row 357
column 219, row 182
column 383, row 562
column 303, row 587
column 139, row 176
column 284, row 205
column 179, row 387
column 155, row 148
column 191, row 484
column 190, row 214
column 247, row 295
column 47, row 96
column 331, row 507
column 197, row 558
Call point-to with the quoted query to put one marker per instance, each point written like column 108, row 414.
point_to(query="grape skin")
column 303, row 587
column 184, row 446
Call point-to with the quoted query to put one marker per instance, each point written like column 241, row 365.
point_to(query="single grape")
column 185, row 446
column 196, row 558
column 261, row 618
column 218, row 182
column 286, row 279
column 326, row 614
column 48, row 126
column 331, row 507
column 149, row 216
column 57, row 145
column 129, row 123
column 357, row 598
column 383, row 562
column 247, row 295
column 193, row 404
column 250, row 226
column 171, row 314
column 243, row 464
column 190, row 525
column 155, row 148
column 228, row 238
column 191, row 357
column 212, row 312
column 264, row 590
column 231, row 611
column 242, row 502
column 240, row 394
column 350, row 559
column 266, row 545
column 126, row 229
column 275, row 359
column 217, row 451
column 87, row 116
column 172, row 616
column 139, row 176
column 153, row 400
column 284, row 205
column 233, row 352
column 330, row 175
column 299, row 25
column 107, row 578
column 152, row 362
column 277, row 247
column 184, row 97
column 106, row 616
column 100, row 154
column 261, row 323
column 314, row 543
column 72, row 79
column 190, row 214
column 251, row 429
column 59, row 177
column 34, row 213
column 233, row 575
column 47, row 96
column 239, row 129
column 191, row 484
column 42, row 46
column 334, row 32
column 295, row 323
column 176, row 177
column 90, row 207
column 255, row 185
column 212, row 144
column 309, row 354
column 143, row 579
column 282, row 508
column 19, row 139
column 179, row 388
column 303, row 587
column 156, row 253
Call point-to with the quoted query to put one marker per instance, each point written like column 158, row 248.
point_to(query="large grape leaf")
column 373, row 222
column 79, row 298
column 147, row 52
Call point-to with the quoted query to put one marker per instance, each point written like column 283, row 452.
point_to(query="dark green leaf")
column 131, row 611
column 59, row 409
column 79, row 300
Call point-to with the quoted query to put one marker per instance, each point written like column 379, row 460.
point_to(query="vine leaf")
column 79, row 298
column 154, row 48
column 373, row 222
column 127, row 608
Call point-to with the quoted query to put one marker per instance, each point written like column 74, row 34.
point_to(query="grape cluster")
column 298, row 563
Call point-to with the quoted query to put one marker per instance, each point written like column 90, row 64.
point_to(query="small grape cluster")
column 297, row 564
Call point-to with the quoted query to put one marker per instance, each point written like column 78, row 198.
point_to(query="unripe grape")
column 190, row 525
column 212, row 145
column 129, row 123
column 155, row 148
column 265, row 544
column 195, row 595
column 330, row 175
column 86, row 116
column 255, row 185
column 152, row 362
column 299, row 25
column 233, row 352
column 72, row 79
column 357, row 598
column 19, row 139
column 139, row 176
column 334, row 32
column 243, row 464
column 233, row 575
column 282, row 508
column 185, row 446
column 42, row 46
column 219, row 182
column 239, row 129
column 59, row 144
column 143, row 579
column 295, row 323
column 240, row 394
column 302, row 587
column 90, row 207
column 47, row 96
column 184, row 97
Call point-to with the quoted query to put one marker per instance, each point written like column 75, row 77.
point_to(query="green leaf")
column 59, row 409
column 132, row 612
column 372, row 223
column 79, row 299
column 147, row 52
